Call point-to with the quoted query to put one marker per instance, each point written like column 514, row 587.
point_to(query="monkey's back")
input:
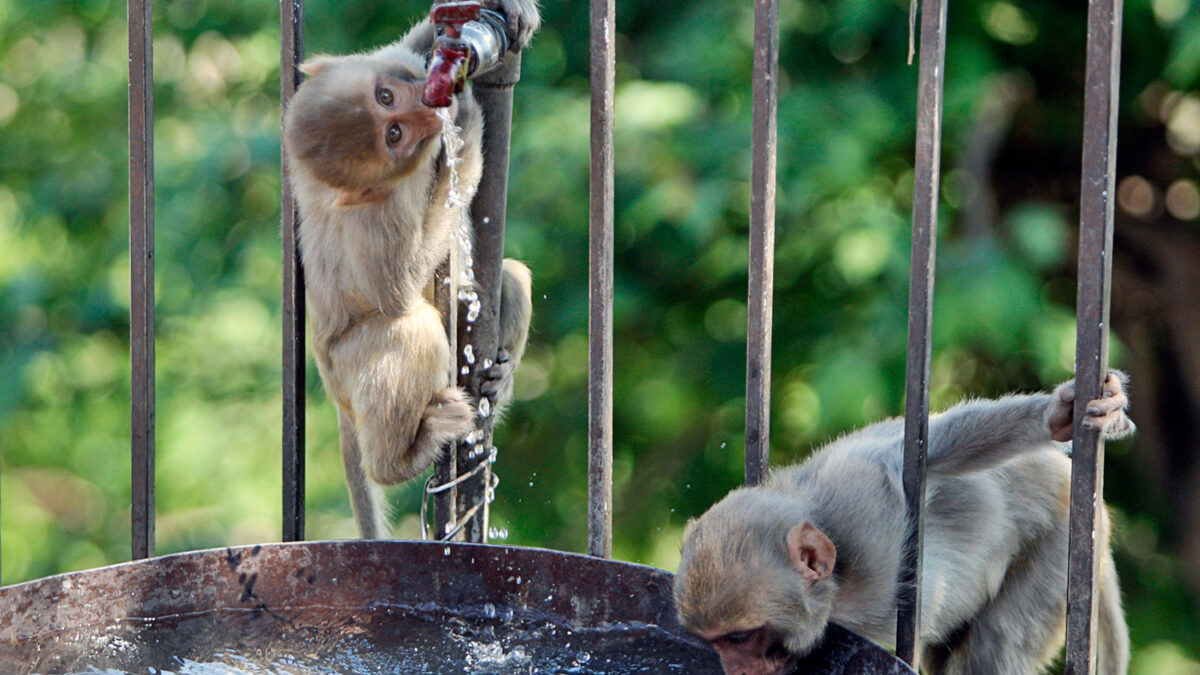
column 977, row 526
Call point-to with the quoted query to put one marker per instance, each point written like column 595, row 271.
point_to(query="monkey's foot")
column 1105, row 414
column 499, row 376
column 449, row 417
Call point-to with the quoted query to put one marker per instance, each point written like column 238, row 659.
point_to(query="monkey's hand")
column 1106, row 414
column 523, row 20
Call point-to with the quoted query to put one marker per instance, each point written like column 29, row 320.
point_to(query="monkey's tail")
column 1112, row 635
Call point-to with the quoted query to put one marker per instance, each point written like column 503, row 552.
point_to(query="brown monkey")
column 766, row 568
column 371, row 181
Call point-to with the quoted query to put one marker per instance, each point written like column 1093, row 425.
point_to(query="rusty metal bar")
column 494, row 92
column 141, row 274
column 927, row 169
column 445, row 298
column 1092, row 308
column 291, row 28
column 600, row 280
column 760, row 294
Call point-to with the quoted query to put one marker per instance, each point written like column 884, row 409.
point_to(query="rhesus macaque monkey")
column 371, row 181
column 766, row 568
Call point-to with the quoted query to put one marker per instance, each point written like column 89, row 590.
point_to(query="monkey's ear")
column 811, row 552
column 349, row 198
column 316, row 64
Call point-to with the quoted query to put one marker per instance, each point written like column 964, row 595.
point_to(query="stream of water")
column 426, row 641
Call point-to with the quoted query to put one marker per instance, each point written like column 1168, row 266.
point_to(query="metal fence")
column 1099, row 156
column 1095, row 271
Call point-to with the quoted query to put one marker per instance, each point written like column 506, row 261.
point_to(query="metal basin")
column 369, row 607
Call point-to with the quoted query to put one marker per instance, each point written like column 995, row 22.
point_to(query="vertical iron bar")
column 141, row 274
column 600, row 280
column 291, row 28
column 927, row 168
column 760, row 294
column 445, row 298
column 1092, row 307
column 494, row 92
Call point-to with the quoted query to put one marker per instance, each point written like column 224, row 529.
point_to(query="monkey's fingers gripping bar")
column 472, row 41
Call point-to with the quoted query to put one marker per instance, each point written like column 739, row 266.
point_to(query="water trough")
column 369, row 607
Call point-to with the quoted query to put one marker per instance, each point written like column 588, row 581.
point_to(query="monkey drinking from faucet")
column 372, row 182
column 766, row 568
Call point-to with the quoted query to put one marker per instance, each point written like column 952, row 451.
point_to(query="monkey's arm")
column 979, row 435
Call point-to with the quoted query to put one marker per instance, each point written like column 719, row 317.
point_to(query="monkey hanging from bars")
column 766, row 568
column 372, row 181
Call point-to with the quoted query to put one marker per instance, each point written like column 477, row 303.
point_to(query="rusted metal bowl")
column 368, row 607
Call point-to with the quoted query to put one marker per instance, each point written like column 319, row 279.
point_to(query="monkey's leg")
column 516, row 306
column 366, row 497
column 405, row 409
column 1020, row 630
column 1112, row 634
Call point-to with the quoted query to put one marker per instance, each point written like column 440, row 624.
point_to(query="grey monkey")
column 371, row 181
column 766, row 568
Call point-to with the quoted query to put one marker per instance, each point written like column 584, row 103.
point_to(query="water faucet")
column 471, row 42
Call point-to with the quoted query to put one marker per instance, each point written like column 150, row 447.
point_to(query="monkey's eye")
column 740, row 637
column 385, row 96
column 394, row 133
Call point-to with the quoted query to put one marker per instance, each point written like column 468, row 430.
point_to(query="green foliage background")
column 1004, row 307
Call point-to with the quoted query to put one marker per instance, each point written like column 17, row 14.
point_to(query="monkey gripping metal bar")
column 471, row 497
column 926, row 170
column 1092, row 308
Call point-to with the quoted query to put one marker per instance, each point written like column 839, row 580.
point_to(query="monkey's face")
column 359, row 126
column 755, row 584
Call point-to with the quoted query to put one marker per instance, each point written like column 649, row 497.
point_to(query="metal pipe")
column 291, row 25
column 141, row 274
column 1092, row 307
column 493, row 90
column 600, row 279
column 445, row 469
column 926, row 171
column 760, row 294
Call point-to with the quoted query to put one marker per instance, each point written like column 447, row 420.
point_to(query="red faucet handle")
column 453, row 15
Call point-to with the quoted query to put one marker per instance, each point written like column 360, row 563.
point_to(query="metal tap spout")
column 471, row 42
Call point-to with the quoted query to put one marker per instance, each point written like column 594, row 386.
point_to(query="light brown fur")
column 367, row 166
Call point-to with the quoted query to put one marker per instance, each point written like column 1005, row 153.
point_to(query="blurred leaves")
column 1004, row 318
